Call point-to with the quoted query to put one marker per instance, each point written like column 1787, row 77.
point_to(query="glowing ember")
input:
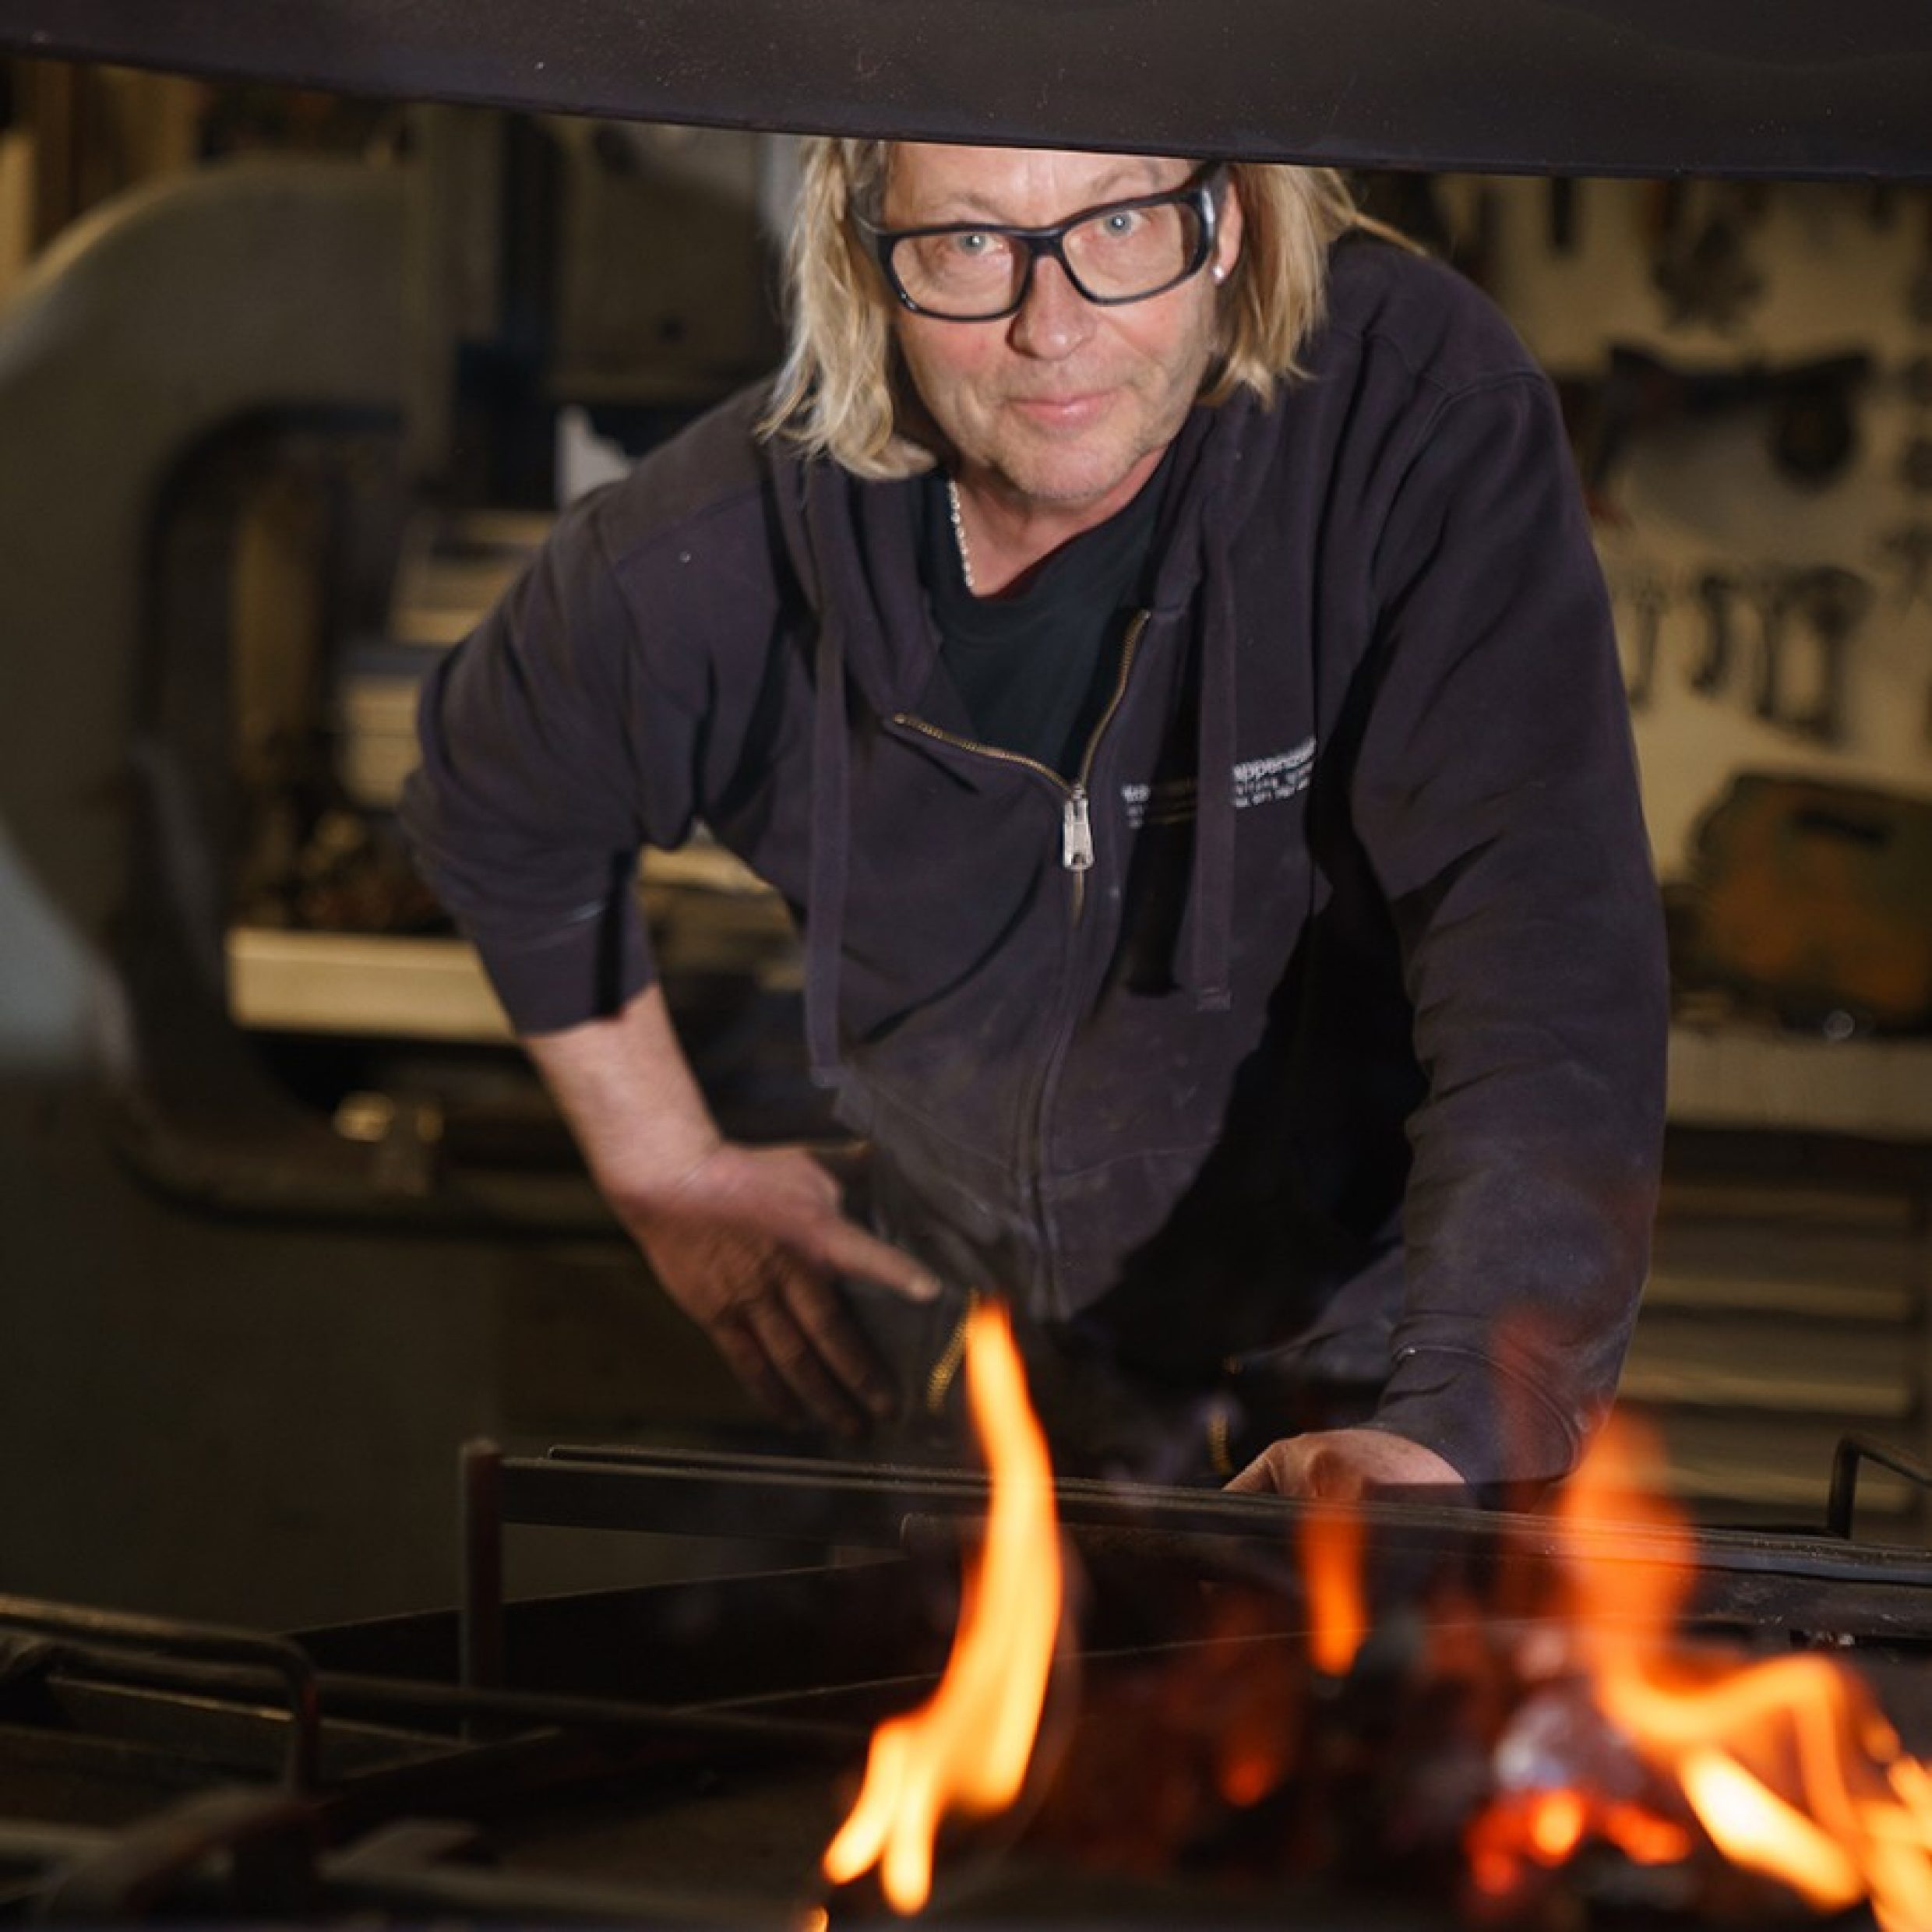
column 967, row 1749
column 1249, row 1769
column 1555, row 1825
column 1547, row 1828
column 1331, row 1554
column 1788, row 1765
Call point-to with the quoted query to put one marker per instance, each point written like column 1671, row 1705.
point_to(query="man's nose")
column 1055, row 317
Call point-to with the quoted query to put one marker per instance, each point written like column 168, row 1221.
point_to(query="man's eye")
column 1121, row 223
column 971, row 245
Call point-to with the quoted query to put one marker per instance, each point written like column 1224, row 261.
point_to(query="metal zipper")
column 1136, row 629
column 939, row 1382
column 1076, row 827
column 1076, row 856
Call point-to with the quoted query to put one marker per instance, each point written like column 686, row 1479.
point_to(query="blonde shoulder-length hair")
column 841, row 393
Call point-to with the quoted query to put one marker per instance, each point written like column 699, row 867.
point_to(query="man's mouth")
column 1064, row 411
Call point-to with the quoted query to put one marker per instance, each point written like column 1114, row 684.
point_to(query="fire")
column 968, row 1749
column 1787, row 1765
column 1331, row 1560
column 1550, row 1827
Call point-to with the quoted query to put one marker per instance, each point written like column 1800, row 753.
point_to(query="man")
column 1150, row 637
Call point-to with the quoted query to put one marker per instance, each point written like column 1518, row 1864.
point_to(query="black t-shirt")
column 1035, row 670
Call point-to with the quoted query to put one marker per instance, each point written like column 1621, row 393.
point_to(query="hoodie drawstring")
column 1211, row 893
column 831, row 831
column 825, row 924
column 803, row 515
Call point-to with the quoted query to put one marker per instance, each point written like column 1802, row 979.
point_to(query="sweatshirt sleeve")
column 549, row 757
column 1495, row 793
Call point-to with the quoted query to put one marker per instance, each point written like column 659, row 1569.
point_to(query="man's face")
column 1065, row 404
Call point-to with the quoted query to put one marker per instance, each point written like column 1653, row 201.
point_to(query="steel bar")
column 397, row 1701
column 1842, row 1505
column 843, row 1502
column 480, row 1606
column 88, row 1631
column 395, row 1868
column 267, row 1837
column 1217, row 1559
column 461, row 1894
column 39, row 1841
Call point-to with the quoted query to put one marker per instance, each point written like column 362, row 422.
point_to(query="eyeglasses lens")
column 1132, row 252
column 1115, row 255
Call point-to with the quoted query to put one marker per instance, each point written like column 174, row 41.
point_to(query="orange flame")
column 967, row 1749
column 1332, row 1547
column 1549, row 1827
column 1788, row 1765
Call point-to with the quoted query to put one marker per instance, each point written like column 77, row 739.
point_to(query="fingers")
column 746, row 1357
column 1346, row 1465
column 817, row 1360
column 748, row 1244
column 1254, row 1480
column 782, row 1333
column 846, row 1248
column 1282, row 1469
column 820, row 1315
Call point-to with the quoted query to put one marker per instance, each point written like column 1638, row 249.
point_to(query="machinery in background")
column 291, row 427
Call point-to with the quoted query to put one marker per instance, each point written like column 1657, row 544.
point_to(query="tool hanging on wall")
column 1811, row 420
column 1907, row 550
column 1834, row 603
column 1702, row 269
column 1919, row 289
column 1915, row 464
column 1774, row 607
column 1714, row 593
column 1830, row 603
column 1648, row 596
column 1565, row 192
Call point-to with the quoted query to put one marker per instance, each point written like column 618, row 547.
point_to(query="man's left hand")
column 1345, row 1465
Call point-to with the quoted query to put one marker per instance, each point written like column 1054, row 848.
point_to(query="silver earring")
column 1220, row 274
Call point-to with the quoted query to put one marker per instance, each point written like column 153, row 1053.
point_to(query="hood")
column 1538, row 86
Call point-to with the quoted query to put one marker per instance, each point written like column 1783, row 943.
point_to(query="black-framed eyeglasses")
column 1120, row 251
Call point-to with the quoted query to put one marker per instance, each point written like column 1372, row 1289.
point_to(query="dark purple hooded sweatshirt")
column 1344, row 1061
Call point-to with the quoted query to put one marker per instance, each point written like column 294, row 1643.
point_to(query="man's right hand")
column 750, row 1244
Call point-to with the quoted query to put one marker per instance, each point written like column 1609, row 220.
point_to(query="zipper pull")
column 1076, row 832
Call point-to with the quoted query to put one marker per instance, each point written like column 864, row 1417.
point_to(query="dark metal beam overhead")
column 1762, row 87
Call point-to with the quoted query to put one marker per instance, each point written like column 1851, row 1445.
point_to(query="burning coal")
column 1786, row 1767
column 1524, row 1736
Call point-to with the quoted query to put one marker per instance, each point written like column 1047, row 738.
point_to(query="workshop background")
column 289, row 385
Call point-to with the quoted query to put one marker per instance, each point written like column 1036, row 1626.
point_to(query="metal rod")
column 810, row 1500
column 1219, row 1559
column 461, row 1893
column 85, row 1631
column 1842, row 1502
column 395, row 1698
column 480, row 1616
column 781, row 1497
column 267, row 1837
column 378, row 1870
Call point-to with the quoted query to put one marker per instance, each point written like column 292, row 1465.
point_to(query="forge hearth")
column 682, row 1754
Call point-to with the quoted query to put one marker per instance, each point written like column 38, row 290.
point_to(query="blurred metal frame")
column 1742, row 87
